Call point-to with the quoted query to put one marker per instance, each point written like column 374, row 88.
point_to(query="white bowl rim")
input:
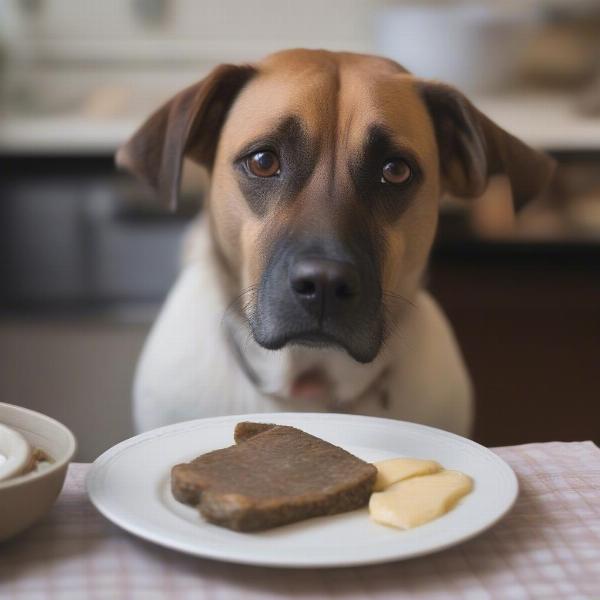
column 56, row 465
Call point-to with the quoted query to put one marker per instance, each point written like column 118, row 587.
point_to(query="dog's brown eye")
column 396, row 171
column 263, row 164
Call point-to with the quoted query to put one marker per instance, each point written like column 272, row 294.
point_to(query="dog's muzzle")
column 319, row 295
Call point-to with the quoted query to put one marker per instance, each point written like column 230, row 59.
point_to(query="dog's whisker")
column 398, row 297
column 240, row 304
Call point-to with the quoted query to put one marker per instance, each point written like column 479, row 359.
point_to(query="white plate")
column 129, row 484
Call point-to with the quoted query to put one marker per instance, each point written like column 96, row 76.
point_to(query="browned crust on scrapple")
column 274, row 475
column 246, row 429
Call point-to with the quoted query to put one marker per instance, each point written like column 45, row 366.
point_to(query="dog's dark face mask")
column 326, row 175
column 324, row 208
column 321, row 291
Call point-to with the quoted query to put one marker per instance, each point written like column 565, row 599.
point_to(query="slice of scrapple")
column 274, row 475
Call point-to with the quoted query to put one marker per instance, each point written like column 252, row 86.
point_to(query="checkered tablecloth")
column 547, row 547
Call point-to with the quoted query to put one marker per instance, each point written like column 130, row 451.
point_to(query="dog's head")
column 326, row 173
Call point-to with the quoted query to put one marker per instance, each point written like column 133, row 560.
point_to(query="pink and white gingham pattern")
column 547, row 547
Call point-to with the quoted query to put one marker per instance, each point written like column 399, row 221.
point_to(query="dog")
column 302, row 289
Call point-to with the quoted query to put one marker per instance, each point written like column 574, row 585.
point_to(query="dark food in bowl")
column 38, row 461
column 272, row 476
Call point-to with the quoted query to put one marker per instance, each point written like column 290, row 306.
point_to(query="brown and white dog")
column 303, row 288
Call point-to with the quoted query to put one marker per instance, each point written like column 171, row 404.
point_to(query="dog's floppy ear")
column 472, row 148
column 187, row 125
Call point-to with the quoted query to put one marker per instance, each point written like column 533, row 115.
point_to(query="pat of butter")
column 418, row 500
column 397, row 469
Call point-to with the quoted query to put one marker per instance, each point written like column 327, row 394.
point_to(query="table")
column 547, row 547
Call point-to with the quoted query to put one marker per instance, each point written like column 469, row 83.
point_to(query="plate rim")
column 94, row 475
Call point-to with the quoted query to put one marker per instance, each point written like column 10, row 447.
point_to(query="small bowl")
column 25, row 499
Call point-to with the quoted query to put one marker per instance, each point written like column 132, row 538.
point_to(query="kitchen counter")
column 544, row 121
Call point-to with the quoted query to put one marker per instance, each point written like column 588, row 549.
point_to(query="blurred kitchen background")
column 87, row 256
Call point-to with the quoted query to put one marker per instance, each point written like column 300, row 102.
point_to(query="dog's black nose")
column 324, row 285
